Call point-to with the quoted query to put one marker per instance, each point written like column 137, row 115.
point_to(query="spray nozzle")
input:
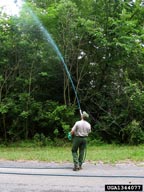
column 81, row 112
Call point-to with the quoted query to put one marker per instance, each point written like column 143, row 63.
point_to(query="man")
column 80, row 131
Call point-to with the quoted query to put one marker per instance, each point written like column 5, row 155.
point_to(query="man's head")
column 84, row 115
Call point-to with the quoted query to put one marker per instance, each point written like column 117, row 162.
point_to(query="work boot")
column 76, row 168
column 80, row 167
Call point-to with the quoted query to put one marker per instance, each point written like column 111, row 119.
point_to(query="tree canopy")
column 102, row 44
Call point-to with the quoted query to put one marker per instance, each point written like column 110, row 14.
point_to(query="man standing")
column 80, row 131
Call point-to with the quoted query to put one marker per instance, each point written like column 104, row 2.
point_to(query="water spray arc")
column 54, row 46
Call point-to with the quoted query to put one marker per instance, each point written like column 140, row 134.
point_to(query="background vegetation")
column 102, row 43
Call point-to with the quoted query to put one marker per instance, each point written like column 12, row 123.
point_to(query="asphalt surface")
column 32, row 176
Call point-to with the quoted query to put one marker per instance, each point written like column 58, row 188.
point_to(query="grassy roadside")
column 104, row 153
column 115, row 153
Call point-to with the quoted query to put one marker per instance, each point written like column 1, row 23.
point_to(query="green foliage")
column 54, row 119
column 95, row 142
column 40, row 140
column 102, row 45
column 133, row 133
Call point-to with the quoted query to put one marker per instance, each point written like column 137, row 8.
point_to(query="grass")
column 104, row 153
column 116, row 153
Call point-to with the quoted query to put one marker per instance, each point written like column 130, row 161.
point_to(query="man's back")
column 81, row 128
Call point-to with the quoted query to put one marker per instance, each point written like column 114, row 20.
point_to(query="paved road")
column 52, row 177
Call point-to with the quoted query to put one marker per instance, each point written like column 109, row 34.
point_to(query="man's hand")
column 72, row 132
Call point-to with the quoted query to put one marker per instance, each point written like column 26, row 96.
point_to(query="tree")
column 101, row 43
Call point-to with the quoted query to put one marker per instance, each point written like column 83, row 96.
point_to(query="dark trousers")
column 78, row 150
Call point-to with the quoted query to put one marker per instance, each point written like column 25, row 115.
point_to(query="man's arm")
column 73, row 129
